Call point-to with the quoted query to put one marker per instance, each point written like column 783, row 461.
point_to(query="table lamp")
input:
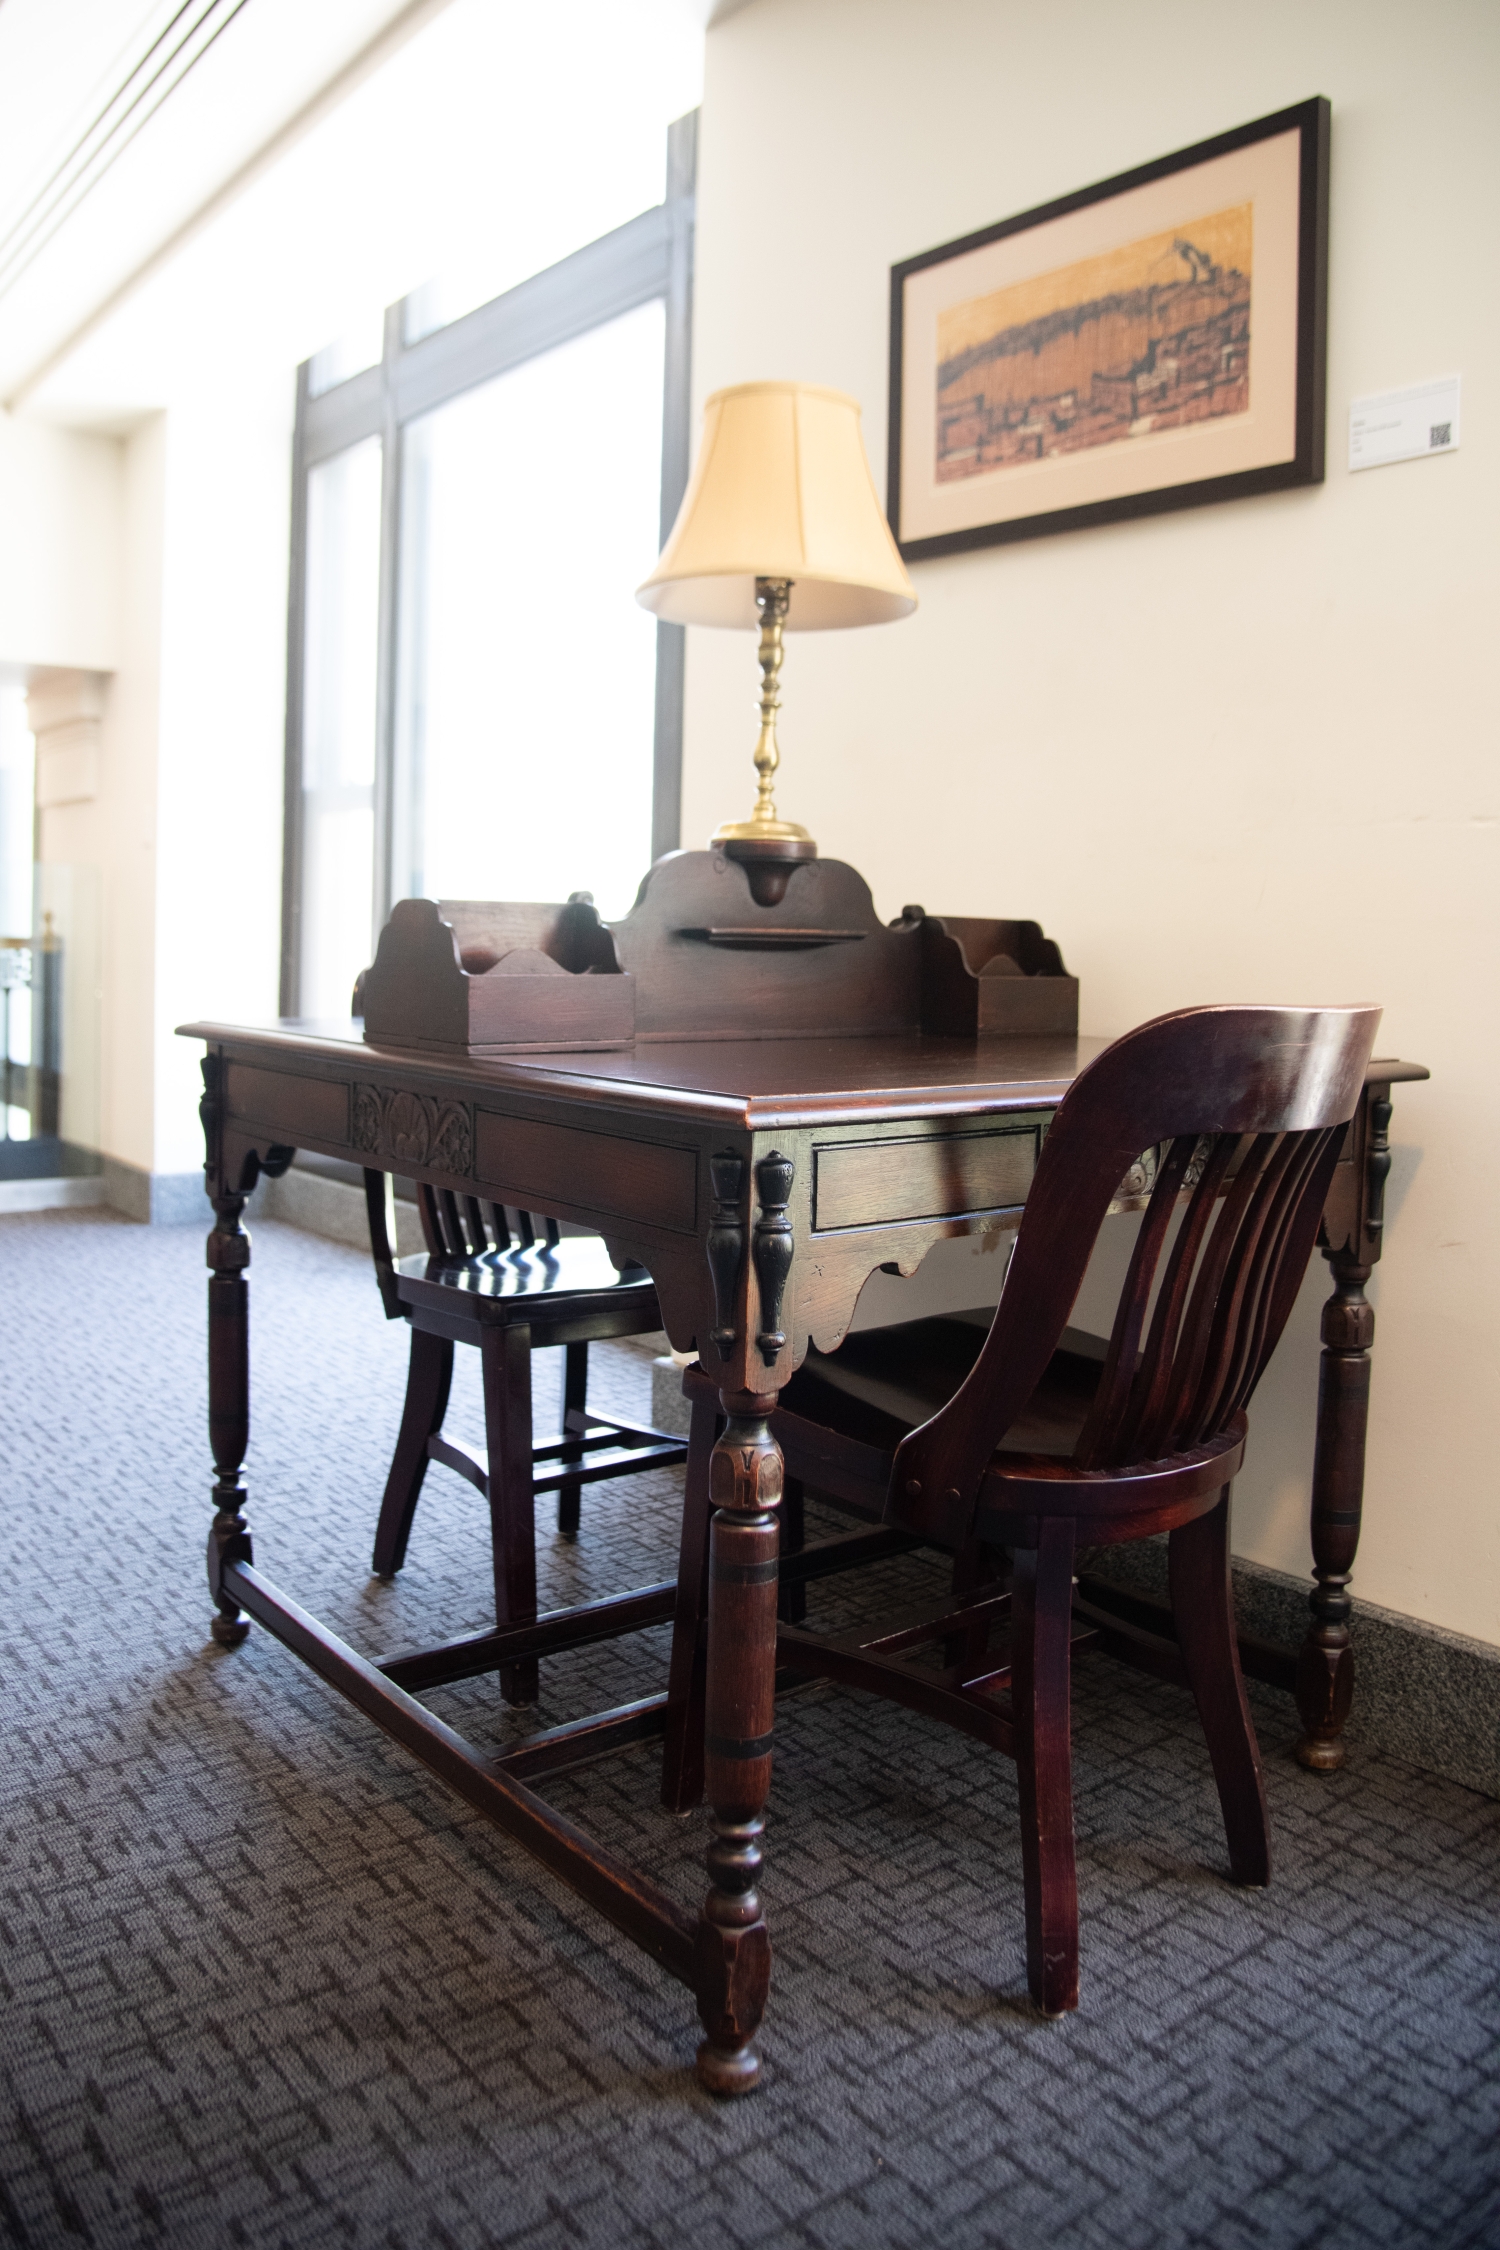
column 779, row 525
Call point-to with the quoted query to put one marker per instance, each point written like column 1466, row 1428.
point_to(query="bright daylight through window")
column 528, row 677
column 476, row 705
column 338, row 718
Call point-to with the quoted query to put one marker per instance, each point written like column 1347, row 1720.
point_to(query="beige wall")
column 182, row 845
column 60, row 522
column 221, row 734
column 1244, row 752
column 109, row 841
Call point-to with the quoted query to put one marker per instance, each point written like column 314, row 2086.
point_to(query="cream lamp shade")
column 779, row 527
column 781, row 490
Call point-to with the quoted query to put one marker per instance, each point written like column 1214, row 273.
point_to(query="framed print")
column 1154, row 342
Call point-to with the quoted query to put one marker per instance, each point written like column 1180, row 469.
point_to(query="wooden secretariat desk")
column 761, row 1182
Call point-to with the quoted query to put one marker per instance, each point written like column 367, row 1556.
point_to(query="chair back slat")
column 1221, row 1309
column 380, row 1211
column 1240, row 1311
column 1149, row 1397
column 1255, row 1101
column 1241, row 1319
column 456, row 1226
column 1121, row 1376
column 1284, row 1294
column 453, row 1226
column 1282, row 1274
column 1215, row 1286
column 1227, row 1319
column 432, row 1225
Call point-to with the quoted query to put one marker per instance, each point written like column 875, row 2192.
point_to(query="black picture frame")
column 1304, row 465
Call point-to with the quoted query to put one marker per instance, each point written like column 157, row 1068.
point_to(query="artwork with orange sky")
column 1150, row 337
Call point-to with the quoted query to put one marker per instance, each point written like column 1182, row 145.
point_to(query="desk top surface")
column 758, row 1083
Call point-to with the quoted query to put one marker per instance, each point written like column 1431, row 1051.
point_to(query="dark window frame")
column 650, row 257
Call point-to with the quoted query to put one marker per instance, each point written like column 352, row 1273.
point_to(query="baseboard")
column 1421, row 1693
column 57, row 1194
column 326, row 1197
column 669, row 1409
column 331, row 1208
column 302, row 1198
column 155, row 1199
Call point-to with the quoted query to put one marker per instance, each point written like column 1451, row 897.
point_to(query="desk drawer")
column 597, row 1172
column 292, row 1107
column 930, row 1176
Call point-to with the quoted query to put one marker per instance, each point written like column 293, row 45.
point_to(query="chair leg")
column 505, row 1362
column 429, row 1379
column 1203, row 1608
column 976, row 1564
column 575, row 1401
column 979, row 1562
column 1041, row 1608
column 682, row 1758
column 791, row 1595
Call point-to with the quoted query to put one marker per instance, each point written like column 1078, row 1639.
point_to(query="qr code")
column 1442, row 434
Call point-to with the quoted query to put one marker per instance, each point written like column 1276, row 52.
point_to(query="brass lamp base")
column 768, row 861
column 758, row 831
column 766, row 847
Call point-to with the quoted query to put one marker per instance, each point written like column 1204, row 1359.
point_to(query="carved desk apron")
column 762, row 1183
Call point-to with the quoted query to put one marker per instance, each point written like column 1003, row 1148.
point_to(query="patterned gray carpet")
column 264, row 1983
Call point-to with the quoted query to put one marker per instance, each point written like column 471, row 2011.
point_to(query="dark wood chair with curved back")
column 1029, row 1440
column 508, row 1289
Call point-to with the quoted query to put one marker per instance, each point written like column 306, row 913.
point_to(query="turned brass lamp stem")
column 771, row 598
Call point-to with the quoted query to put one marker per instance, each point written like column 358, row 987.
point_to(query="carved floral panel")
column 404, row 1130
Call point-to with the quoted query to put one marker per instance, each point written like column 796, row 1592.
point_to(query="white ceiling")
column 119, row 119
column 132, row 132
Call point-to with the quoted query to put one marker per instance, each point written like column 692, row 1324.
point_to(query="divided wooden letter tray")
column 987, row 976
column 476, row 977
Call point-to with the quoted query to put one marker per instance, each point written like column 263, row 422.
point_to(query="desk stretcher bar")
column 633, row 1904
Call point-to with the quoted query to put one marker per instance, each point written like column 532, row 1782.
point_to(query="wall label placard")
column 1403, row 425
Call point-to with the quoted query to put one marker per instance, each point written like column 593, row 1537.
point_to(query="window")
column 528, row 505
column 339, row 676
column 476, row 707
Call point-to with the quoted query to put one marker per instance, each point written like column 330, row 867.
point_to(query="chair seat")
column 492, row 1284
column 881, row 1382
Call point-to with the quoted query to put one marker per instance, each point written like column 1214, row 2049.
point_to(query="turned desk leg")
column 228, row 1405
column 1325, row 1669
column 734, row 1946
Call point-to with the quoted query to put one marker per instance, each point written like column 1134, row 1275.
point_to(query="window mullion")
column 387, row 874
column 676, row 433
column 296, row 668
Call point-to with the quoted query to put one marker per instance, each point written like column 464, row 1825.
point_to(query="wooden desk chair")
column 507, row 1293
column 1033, row 1439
